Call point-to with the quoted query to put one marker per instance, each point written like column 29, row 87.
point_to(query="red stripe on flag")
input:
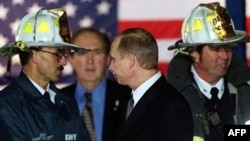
column 163, row 67
column 248, row 25
column 160, row 29
column 248, row 33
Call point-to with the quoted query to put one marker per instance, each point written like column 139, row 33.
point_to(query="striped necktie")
column 88, row 116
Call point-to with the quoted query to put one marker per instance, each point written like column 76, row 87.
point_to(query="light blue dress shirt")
column 98, row 103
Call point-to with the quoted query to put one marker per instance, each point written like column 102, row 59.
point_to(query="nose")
column 63, row 61
column 110, row 67
column 90, row 57
column 225, row 53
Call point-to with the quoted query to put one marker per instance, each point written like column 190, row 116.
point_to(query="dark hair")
column 190, row 49
column 24, row 57
column 103, row 36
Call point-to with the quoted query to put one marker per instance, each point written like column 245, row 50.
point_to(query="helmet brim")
column 9, row 50
column 239, row 37
column 12, row 49
column 53, row 44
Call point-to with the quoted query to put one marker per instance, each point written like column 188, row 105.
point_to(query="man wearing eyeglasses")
column 32, row 108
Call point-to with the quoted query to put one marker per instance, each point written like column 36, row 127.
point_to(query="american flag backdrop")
column 163, row 18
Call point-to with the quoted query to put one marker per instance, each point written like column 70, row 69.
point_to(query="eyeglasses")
column 86, row 51
column 58, row 55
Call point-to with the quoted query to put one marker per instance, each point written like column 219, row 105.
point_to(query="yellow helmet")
column 208, row 24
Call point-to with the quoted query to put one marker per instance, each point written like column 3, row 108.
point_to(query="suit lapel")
column 141, row 107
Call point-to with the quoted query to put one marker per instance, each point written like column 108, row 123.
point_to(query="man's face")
column 212, row 63
column 91, row 65
column 119, row 65
column 50, row 62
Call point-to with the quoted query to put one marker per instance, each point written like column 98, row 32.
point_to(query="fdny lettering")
column 70, row 137
column 43, row 137
column 237, row 132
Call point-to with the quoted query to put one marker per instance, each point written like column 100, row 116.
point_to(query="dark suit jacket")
column 113, row 112
column 162, row 114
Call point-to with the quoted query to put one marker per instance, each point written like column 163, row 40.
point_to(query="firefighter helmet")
column 208, row 24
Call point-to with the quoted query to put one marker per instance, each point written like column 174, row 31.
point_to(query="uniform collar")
column 206, row 87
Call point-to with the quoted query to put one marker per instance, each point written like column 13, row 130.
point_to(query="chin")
column 120, row 82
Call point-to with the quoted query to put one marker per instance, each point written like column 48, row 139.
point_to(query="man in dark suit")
column 108, row 97
column 160, row 112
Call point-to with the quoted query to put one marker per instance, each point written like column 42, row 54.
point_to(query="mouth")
column 223, row 68
column 223, row 64
column 89, row 70
column 60, row 68
column 115, row 76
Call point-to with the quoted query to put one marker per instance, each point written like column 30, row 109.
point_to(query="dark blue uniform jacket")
column 26, row 116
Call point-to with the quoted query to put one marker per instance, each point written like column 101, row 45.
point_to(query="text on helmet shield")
column 221, row 22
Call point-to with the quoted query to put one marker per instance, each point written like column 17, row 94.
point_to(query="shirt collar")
column 206, row 87
column 39, row 88
column 140, row 91
column 98, row 93
column 42, row 91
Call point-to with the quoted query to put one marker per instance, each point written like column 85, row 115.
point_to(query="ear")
column 195, row 56
column 34, row 56
column 131, row 60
